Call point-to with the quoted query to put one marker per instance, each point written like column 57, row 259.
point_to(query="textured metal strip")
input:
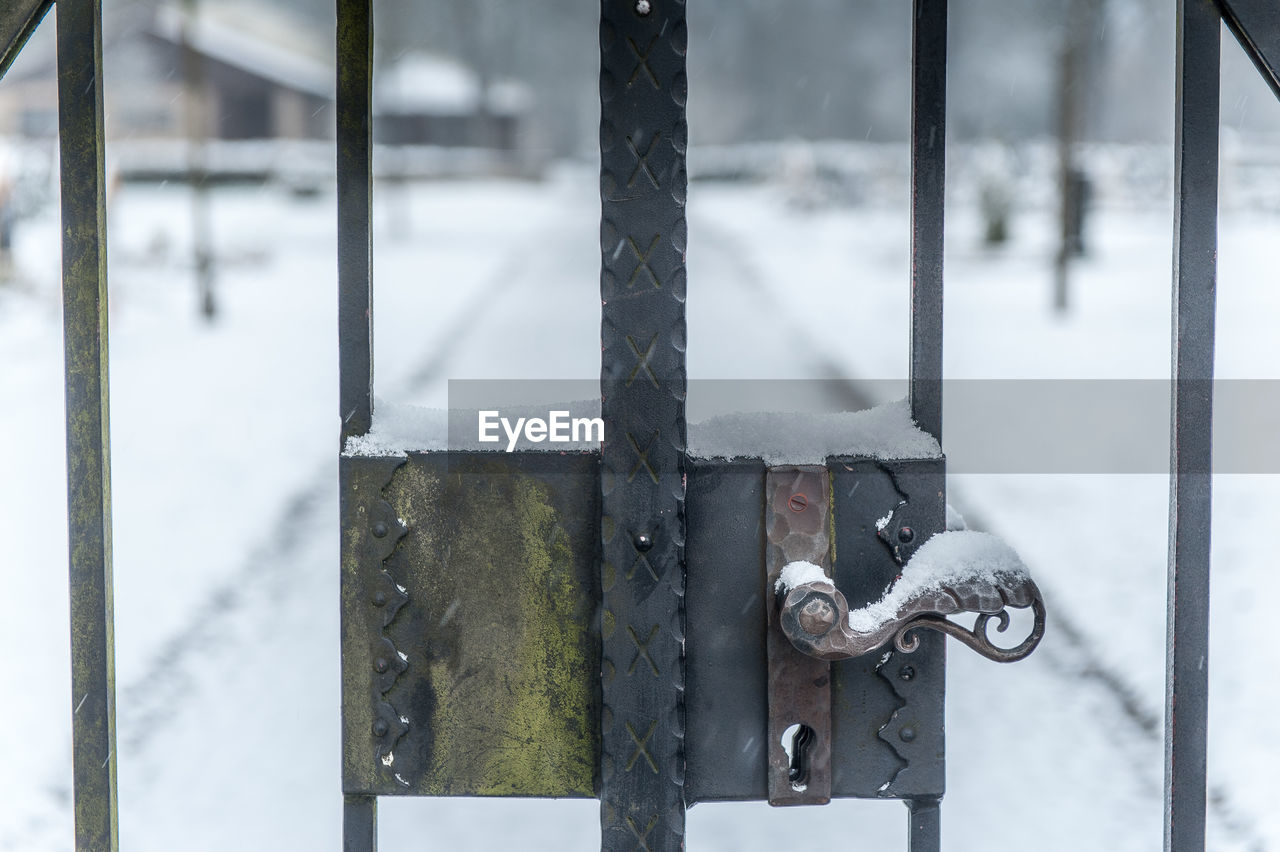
column 798, row 527
column 355, row 194
column 643, row 137
column 18, row 20
column 928, row 172
column 84, row 295
column 1256, row 24
column 1194, row 283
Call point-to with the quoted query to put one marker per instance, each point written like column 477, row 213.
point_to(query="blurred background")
column 222, row 222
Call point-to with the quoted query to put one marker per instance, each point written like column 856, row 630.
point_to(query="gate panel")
column 471, row 642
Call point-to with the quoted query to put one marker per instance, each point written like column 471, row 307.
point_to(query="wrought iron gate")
column 652, row 534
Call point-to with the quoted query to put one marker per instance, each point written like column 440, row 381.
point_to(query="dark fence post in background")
column 355, row 291
column 643, row 137
column 84, row 299
column 1191, row 480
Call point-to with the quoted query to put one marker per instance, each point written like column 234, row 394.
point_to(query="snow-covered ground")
column 224, row 445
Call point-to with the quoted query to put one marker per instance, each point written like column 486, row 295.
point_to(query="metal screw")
column 379, row 529
column 642, row 7
column 798, row 503
column 380, row 665
column 907, row 673
column 379, row 728
column 379, row 599
column 642, row 541
column 817, row 616
column 907, row 734
column 906, row 534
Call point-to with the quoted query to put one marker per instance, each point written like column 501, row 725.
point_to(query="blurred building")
column 254, row 75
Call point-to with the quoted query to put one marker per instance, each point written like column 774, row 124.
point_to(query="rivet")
column 907, row 673
column 379, row 530
column 380, row 728
column 906, row 534
column 907, row 734
column 798, row 503
column 380, row 665
column 642, row 541
column 379, row 599
column 643, row 7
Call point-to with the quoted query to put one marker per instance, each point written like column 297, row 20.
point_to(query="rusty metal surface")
column 798, row 529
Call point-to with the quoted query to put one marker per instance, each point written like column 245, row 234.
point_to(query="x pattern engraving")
column 642, row 161
column 642, row 458
column 642, row 560
column 642, row 359
column 642, row 747
column 642, row 837
column 642, row 62
column 642, row 649
column 643, row 261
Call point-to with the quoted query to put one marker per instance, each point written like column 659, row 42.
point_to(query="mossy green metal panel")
column 471, row 653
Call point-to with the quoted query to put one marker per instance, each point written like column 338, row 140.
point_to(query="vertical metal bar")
column 1194, row 282
column 928, row 183
column 84, row 305
column 643, row 136
column 925, row 834
column 360, row 824
column 355, row 194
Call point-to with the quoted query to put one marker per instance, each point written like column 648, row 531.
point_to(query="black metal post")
column 928, row 189
column 84, row 300
column 925, row 834
column 643, row 136
column 355, row 194
column 360, row 824
column 354, row 98
column 1256, row 24
column 1194, row 282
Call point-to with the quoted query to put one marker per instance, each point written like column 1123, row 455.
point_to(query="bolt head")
column 817, row 616
column 380, row 728
column 643, row 7
column 379, row 599
column 907, row 673
column 907, row 734
column 379, row 530
column 906, row 535
column 380, row 665
column 643, row 542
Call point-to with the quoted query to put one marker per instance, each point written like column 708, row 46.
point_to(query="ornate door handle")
column 953, row 572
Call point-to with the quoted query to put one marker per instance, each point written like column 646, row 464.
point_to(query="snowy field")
column 224, row 454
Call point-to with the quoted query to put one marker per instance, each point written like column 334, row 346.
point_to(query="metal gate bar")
column 643, row 136
column 928, row 190
column 1190, row 464
column 354, row 98
column 84, row 295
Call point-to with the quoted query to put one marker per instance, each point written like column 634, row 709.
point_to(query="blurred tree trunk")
column 1081, row 34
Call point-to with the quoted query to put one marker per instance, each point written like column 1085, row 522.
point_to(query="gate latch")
column 952, row 572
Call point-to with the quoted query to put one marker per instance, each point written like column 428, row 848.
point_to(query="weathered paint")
column 501, row 684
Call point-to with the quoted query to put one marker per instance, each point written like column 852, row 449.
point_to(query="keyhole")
column 796, row 742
